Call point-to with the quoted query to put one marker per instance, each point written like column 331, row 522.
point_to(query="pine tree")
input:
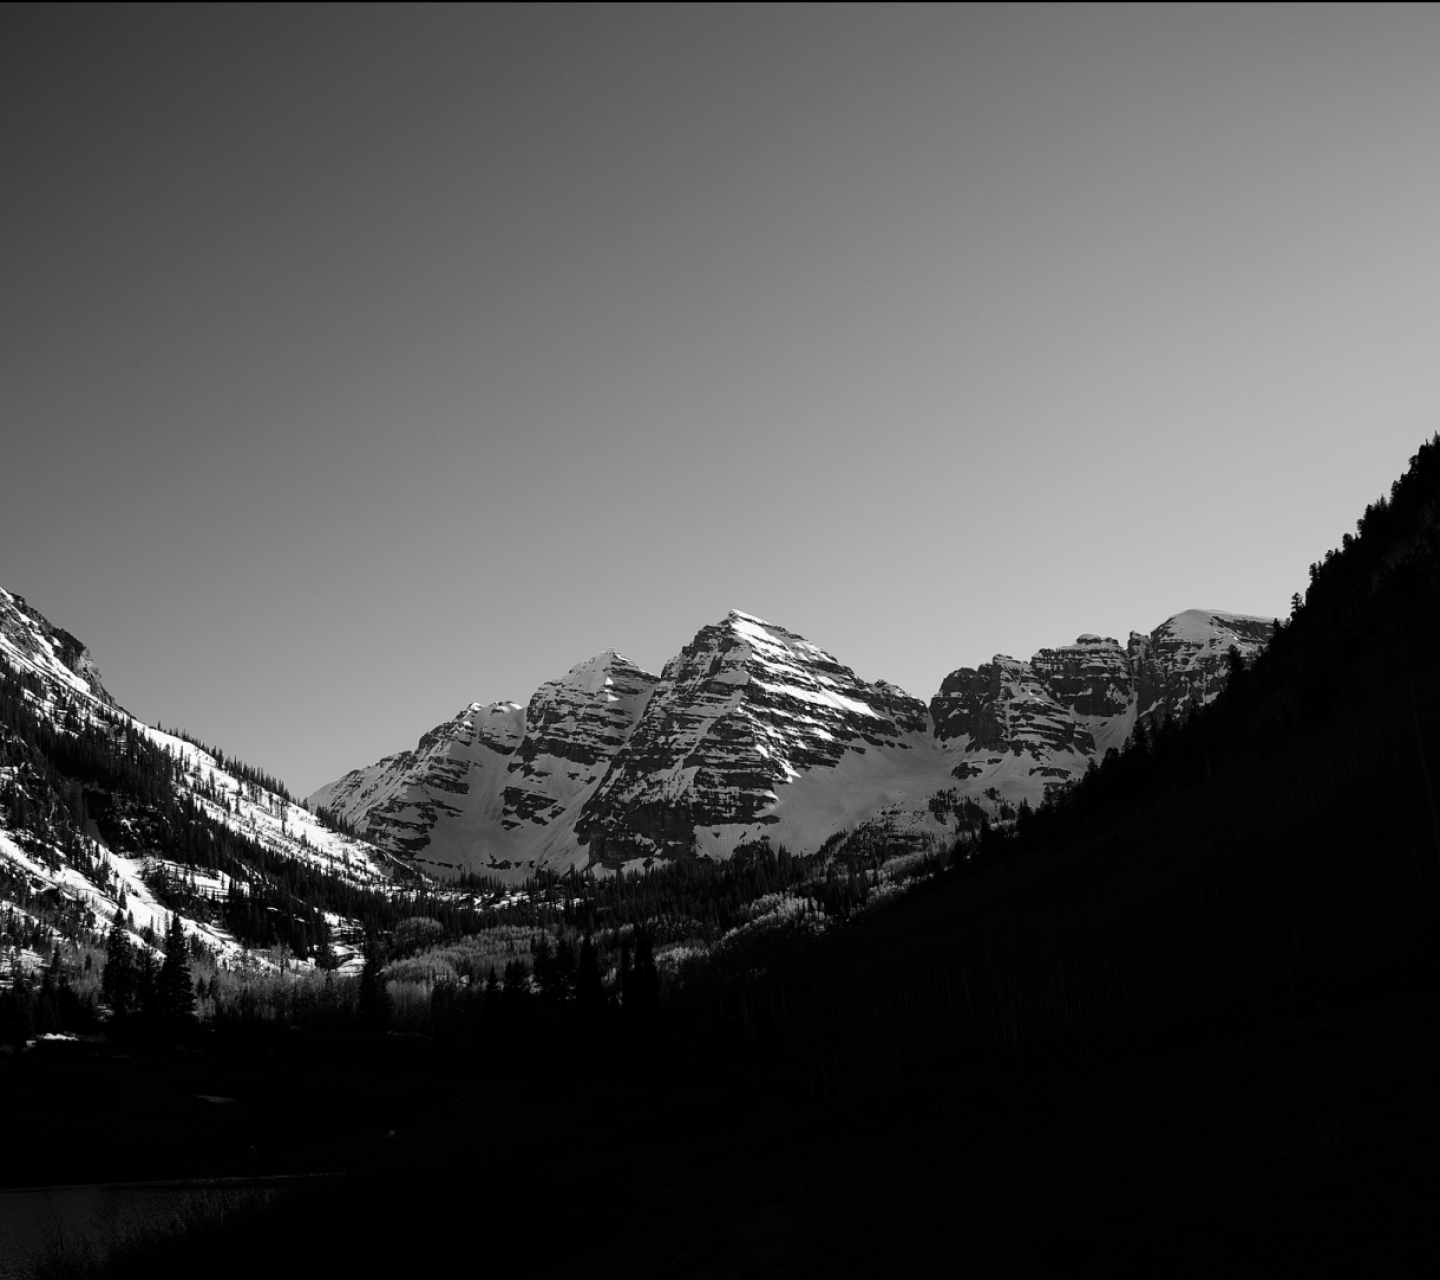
column 119, row 980
column 626, row 973
column 644, row 980
column 588, row 989
column 176, row 997
column 564, row 969
column 147, row 985
column 47, row 1007
column 374, row 995
column 544, row 968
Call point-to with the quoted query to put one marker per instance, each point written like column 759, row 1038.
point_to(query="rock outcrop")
column 1077, row 702
column 451, row 778
column 31, row 636
column 498, row 788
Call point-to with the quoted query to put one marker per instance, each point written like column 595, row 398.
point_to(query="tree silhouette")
column 374, row 995
column 119, row 980
column 588, row 989
column 175, row 994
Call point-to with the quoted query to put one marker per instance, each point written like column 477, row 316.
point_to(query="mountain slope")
column 1272, row 862
column 100, row 811
column 753, row 732
column 498, row 788
column 746, row 709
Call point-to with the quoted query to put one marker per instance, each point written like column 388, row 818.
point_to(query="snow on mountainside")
column 28, row 642
column 1026, row 727
column 59, row 686
column 752, row 731
column 498, row 788
column 452, row 779
column 744, row 710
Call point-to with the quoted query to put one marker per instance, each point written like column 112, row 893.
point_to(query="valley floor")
column 1307, row 1151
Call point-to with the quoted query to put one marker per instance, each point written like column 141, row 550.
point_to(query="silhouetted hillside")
column 1276, row 853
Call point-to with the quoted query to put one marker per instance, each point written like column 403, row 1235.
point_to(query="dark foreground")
column 1308, row 1150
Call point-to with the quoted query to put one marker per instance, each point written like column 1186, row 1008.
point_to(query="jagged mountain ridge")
column 753, row 731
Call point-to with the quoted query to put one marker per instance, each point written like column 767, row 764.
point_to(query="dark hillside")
column 1276, row 855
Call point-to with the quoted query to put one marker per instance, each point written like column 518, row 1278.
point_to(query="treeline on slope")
column 234, row 765
column 1366, row 618
column 52, row 1004
column 1278, row 851
column 59, row 781
column 262, row 781
column 691, row 897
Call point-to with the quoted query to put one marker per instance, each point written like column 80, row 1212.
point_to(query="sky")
column 360, row 363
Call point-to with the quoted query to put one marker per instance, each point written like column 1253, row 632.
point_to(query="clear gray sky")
column 358, row 363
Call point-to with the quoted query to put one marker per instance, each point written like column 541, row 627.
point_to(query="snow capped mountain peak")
column 752, row 730
column 745, row 709
column 1068, row 705
column 1213, row 626
column 601, row 671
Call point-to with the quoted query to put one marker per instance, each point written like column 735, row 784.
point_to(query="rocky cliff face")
column 753, row 731
column 451, row 777
column 1071, row 704
column 746, row 708
column 33, row 638
column 573, row 728
column 1182, row 663
column 498, row 788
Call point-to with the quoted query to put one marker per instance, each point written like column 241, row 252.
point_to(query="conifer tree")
column 176, row 997
column 119, row 980
column 645, row 979
column 147, row 985
column 374, row 995
column 588, row 989
column 564, row 969
column 544, row 968
column 626, row 973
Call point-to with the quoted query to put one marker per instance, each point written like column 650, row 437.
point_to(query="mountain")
column 753, row 732
column 1049, row 717
column 499, row 787
column 102, row 814
column 750, row 733
column 742, row 716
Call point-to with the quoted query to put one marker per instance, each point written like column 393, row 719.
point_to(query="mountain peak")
column 29, row 637
column 596, row 673
column 1209, row 626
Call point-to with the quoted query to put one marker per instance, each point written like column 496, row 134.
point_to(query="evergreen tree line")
column 1368, row 619
column 567, row 991
column 1276, row 852
column 112, row 774
column 142, row 995
column 234, row 766
column 30, row 1008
